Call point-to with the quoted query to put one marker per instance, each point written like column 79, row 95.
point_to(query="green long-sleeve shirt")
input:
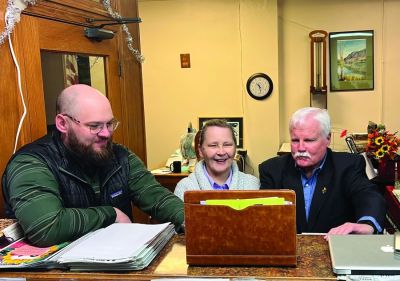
column 38, row 206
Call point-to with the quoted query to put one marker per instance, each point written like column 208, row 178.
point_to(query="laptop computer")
column 254, row 234
column 363, row 255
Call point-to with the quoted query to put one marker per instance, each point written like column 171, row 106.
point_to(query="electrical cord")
column 21, row 121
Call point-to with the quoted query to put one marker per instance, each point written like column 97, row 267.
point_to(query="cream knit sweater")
column 198, row 181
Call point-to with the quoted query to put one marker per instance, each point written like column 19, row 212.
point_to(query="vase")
column 389, row 170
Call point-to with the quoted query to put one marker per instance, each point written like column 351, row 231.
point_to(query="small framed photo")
column 235, row 122
column 351, row 57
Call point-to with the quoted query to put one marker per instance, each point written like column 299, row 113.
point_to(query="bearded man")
column 333, row 193
column 77, row 180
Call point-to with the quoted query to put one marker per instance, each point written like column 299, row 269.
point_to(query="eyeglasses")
column 96, row 128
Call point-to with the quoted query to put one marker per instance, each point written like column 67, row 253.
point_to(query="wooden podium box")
column 256, row 235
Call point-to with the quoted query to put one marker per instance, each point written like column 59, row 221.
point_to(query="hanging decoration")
column 129, row 39
column 15, row 8
column 13, row 16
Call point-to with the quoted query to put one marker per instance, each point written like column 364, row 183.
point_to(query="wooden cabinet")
column 167, row 180
column 170, row 180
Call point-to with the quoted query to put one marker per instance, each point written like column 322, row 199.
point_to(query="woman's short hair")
column 222, row 123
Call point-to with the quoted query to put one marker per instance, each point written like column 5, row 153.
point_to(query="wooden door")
column 58, row 26
column 56, row 36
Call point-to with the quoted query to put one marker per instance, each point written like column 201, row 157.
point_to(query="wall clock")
column 259, row 86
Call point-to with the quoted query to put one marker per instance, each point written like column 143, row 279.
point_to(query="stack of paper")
column 129, row 246
column 117, row 247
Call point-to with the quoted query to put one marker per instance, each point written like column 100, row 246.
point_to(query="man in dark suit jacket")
column 333, row 193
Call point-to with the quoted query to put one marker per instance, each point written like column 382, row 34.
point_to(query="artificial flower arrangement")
column 382, row 144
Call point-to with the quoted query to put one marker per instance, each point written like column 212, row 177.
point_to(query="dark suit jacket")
column 342, row 194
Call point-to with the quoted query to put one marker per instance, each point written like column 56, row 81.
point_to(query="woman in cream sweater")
column 217, row 170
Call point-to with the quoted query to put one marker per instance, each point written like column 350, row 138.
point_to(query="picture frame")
column 351, row 57
column 235, row 122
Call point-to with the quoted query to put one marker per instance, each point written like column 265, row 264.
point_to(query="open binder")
column 256, row 235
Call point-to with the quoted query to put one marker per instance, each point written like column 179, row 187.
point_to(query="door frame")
column 54, row 36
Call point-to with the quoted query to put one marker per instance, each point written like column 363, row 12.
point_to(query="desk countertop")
column 313, row 264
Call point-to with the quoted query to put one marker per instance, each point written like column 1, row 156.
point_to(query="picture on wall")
column 351, row 57
column 235, row 122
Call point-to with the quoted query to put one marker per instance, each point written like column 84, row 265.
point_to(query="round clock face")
column 259, row 86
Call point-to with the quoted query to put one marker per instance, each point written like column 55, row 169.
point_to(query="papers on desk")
column 369, row 277
column 161, row 171
column 13, row 232
column 369, row 169
column 21, row 254
column 120, row 246
column 10, row 234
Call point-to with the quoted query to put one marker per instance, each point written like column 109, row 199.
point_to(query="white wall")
column 349, row 110
column 226, row 46
column 391, row 65
column 231, row 39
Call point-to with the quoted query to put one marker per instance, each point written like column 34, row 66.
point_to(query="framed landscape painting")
column 351, row 57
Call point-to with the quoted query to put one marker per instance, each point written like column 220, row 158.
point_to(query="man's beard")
column 90, row 156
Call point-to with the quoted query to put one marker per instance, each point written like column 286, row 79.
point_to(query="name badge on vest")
column 117, row 193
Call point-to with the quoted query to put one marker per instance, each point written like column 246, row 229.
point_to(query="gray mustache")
column 302, row 154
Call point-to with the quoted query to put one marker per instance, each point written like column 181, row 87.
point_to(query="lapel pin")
column 324, row 190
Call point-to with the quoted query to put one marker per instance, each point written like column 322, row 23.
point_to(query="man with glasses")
column 63, row 186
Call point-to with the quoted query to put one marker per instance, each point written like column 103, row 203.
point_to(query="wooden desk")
column 313, row 264
column 170, row 180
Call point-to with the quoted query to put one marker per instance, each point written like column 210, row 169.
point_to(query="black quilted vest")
column 75, row 191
